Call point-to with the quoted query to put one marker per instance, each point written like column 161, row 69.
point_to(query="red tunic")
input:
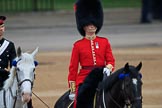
column 86, row 52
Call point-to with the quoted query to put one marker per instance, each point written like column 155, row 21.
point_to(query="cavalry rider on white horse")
column 7, row 50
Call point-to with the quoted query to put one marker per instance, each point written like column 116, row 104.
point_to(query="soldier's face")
column 2, row 29
column 90, row 28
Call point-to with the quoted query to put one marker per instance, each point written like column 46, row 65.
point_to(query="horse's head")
column 25, row 66
column 132, row 85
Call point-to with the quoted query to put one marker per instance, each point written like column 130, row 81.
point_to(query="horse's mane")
column 26, row 58
column 109, row 82
column 93, row 79
column 94, row 76
column 88, row 88
column 91, row 82
column 10, row 79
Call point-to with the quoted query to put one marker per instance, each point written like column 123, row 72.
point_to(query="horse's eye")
column 140, row 75
column 141, row 82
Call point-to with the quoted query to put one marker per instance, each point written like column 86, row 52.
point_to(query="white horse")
column 17, row 89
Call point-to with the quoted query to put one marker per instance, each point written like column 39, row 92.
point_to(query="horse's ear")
column 35, row 52
column 126, row 68
column 18, row 51
column 139, row 66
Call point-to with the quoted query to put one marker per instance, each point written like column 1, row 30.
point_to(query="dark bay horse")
column 121, row 89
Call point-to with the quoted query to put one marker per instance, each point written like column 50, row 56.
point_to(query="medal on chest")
column 97, row 45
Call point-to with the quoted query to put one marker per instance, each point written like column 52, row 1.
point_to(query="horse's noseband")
column 20, row 83
column 128, row 101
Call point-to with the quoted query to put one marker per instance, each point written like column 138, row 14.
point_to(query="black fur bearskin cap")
column 88, row 12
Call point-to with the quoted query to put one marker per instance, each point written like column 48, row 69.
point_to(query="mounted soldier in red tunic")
column 91, row 50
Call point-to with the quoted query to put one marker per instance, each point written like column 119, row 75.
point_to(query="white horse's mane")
column 26, row 58
column 8, row 83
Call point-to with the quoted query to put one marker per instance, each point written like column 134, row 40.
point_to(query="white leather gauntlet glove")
column 106, row 71
column 72, row 90
column 72, row 96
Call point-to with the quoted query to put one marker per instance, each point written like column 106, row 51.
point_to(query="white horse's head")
column 24, row 66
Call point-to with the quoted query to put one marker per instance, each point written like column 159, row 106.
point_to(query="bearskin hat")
column 88, row 12
column 2, row 19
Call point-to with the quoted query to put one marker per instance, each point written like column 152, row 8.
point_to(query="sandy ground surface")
column 51, row 74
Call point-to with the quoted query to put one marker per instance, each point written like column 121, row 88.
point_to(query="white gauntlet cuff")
column 72, row 86
column 106, row 71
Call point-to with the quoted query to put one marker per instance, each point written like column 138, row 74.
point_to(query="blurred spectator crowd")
column 151, row 10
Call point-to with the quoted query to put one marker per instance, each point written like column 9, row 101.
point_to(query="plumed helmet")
column 88, row 12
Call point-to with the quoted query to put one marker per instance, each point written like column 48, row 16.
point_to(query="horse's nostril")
column 26, row 97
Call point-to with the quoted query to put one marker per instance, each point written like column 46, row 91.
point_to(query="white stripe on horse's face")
column 26, row 91
column 134, row 81
column 26, row 87
column 25, row 72
column 26, row 67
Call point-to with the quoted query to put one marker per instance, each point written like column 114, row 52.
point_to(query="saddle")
column 97, row 96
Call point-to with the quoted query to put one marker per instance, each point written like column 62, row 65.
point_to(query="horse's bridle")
column 128, row 101
column 20, row 82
